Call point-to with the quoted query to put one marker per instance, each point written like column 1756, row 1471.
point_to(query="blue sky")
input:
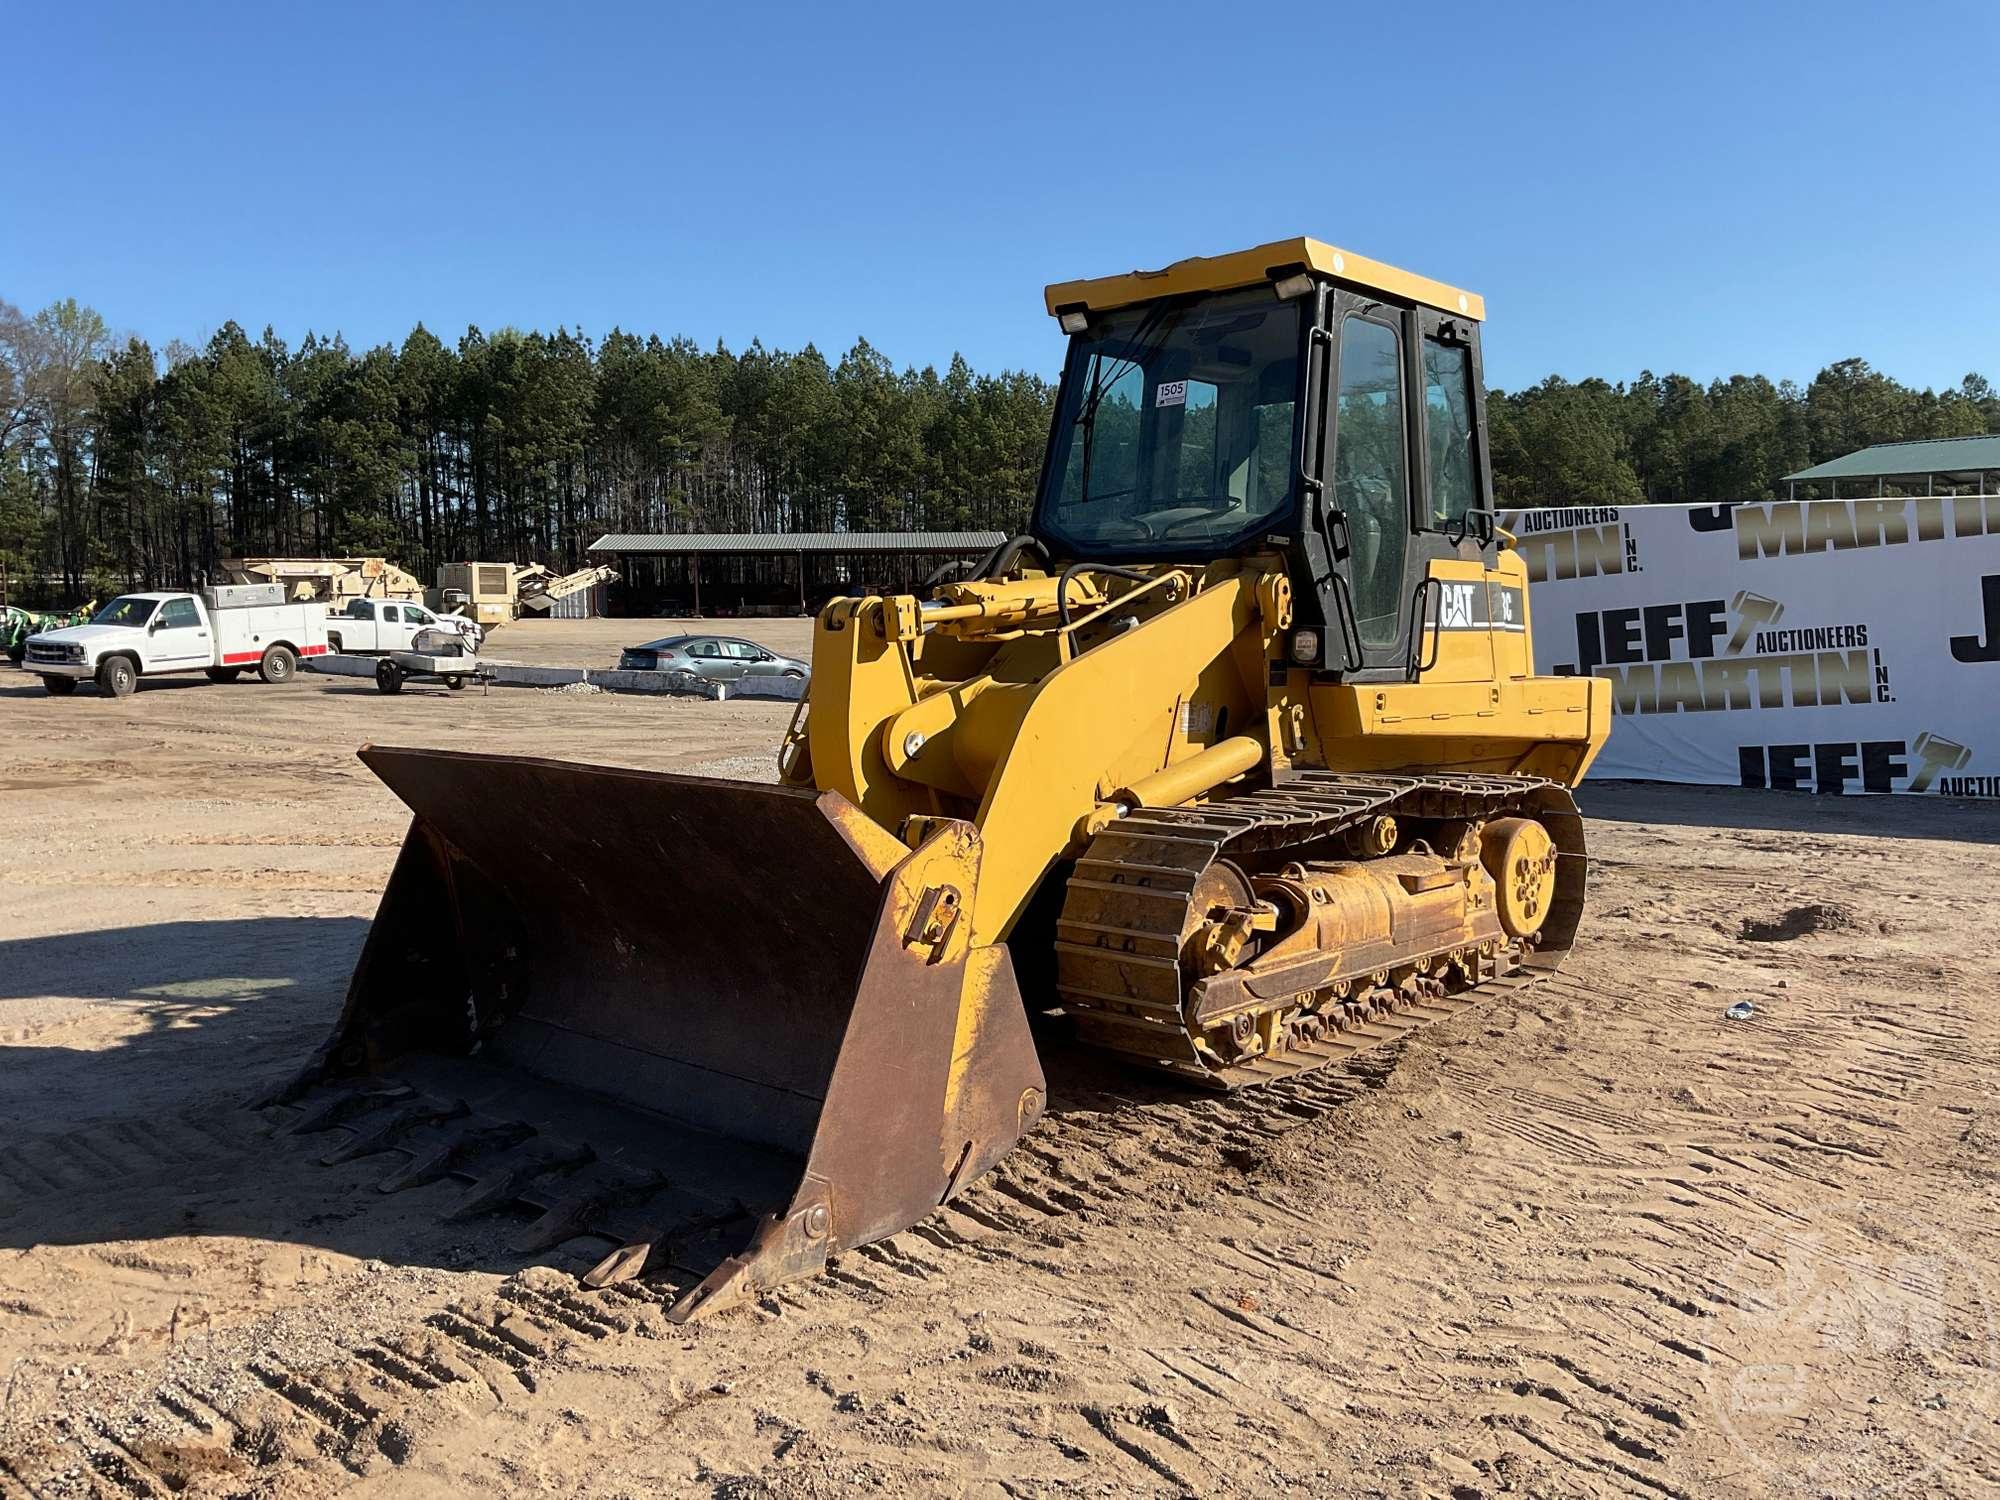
column 1708, row 189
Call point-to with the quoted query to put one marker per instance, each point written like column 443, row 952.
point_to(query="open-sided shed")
column 1926, row 466
column 737, row 573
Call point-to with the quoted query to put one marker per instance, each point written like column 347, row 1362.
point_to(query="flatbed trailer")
column 453, row 670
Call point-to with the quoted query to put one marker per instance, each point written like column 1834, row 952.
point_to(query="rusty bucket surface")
column 729, row 1028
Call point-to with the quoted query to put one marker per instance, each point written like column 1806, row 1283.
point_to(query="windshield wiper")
column 1100, row 387
column 1089, row 421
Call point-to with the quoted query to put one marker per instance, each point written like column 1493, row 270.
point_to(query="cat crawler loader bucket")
column 729, row 1029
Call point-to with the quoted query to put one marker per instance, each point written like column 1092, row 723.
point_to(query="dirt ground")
column 1607, row 1241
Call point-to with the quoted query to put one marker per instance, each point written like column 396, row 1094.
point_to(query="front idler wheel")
column 1521, row 857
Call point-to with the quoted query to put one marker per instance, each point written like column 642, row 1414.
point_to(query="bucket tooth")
column 345, row 1105
column 425, row 1167
column 781, row 1250
column 501, row 1187
column 584, row 1211
column 398, row 1125
column 441, row 1160
column 566, row 1219
column 624, row 1263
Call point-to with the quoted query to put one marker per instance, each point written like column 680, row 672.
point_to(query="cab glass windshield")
column 127, row 609
column 1175, row 433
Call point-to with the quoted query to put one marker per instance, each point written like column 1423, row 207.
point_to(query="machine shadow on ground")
column 129, row 1100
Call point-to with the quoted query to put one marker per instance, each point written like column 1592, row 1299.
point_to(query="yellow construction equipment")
column 540, row 588
column 494, row 593
column 329, row 580
column 1234, row 765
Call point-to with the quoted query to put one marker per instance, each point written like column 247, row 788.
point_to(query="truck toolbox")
column 242, row 595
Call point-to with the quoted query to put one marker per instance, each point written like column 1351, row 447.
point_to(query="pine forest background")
column 125, row 466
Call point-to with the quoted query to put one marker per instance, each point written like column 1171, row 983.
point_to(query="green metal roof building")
column 1961, row 465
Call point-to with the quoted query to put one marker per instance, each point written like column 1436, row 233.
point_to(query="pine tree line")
column 125, row 467
column 122, row 466
column 1671, row 440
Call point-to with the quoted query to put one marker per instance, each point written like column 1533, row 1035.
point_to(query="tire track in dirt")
column 1540, row 1401
column 116, row 1151
column 1573, row 1345
column 1098, row 1146
column 1704, row 1195
column 1665, row 1179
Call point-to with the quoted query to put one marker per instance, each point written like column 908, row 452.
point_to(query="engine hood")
column 90, row 635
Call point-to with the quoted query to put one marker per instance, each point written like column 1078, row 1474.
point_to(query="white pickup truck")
column 368, row 627
column 223, row 631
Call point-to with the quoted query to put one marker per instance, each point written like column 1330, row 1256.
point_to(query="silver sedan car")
column 719, row 658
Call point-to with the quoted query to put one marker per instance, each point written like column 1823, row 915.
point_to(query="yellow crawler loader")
column 1234, row 765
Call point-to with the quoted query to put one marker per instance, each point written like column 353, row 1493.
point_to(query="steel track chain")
column 1118, row 939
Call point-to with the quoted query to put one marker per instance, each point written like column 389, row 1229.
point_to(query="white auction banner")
column 1814, row 645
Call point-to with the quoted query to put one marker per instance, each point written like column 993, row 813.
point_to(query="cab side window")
column 392, row 613
column 1454, row 480
column 1371, row 472
column 178, row 614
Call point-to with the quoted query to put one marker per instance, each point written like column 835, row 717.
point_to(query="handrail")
column 1417, row 666
column 1067, row 628
column 1353, row 657
column 1111, row 569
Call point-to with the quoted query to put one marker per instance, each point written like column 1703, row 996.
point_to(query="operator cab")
column 1293, row 397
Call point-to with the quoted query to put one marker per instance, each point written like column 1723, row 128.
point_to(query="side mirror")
column 153, row 628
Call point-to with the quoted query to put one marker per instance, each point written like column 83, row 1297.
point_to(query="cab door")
column 1370, row 477
column 416, row 620
column 1473, row 625
column 178, row 638
column 1407, row 476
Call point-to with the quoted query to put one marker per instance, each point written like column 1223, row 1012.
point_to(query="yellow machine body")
column 1234, row 764
column 1030, row 730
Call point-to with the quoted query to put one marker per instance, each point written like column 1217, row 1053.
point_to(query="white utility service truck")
column 367, row 627
column 223, row 631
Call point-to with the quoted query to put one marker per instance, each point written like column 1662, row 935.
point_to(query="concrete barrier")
column 612, row 680
column 679, row 684
column 687, row 684
column 783, row 689
column 506, row 676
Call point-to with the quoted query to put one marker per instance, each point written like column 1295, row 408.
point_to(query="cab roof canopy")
column 1221, row 273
